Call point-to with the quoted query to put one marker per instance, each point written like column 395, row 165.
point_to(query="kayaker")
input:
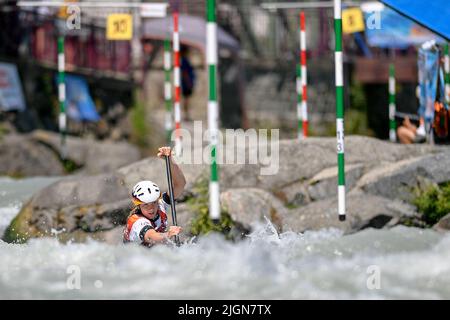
column 147, row 223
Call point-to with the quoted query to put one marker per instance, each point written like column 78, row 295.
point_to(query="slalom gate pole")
column 213, row 112
column 62, row 97
column 392, row 106
column 177, row 82
column 304, row 74
column 299, row 101
column 167, row 89
column 339, row 107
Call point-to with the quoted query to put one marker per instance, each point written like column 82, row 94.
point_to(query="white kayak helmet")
column 145, row 192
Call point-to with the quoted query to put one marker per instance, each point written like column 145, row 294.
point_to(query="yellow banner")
column 119, row 27
column 352, row 20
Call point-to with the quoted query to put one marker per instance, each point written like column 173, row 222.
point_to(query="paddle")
column 172, row 198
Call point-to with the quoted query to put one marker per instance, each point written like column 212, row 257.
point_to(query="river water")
column 401, row 263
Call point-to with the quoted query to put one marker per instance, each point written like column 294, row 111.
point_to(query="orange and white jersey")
column 138, row 224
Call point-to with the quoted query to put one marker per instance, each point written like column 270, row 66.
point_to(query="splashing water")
column 401, row 263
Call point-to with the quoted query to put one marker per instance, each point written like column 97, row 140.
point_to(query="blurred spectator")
column 187, row 79
column 408, row 133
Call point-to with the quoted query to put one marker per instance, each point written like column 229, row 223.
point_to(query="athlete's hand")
column 173, row 231
column 164, row 152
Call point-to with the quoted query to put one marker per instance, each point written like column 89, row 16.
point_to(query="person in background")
column 408, row 133
column 187, row 80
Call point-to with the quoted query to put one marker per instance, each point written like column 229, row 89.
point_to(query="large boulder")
column 399, row 180
column 39, row 154
column 154, row 169
column 21, row 157
column 248, row 206
column 360, row 149
column 362, row 211
column 298, row 160
column 70, row 205
column 324, row 184
column 93, row 156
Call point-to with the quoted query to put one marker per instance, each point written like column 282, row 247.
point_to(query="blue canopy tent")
column 395, row 31
column 433, row 14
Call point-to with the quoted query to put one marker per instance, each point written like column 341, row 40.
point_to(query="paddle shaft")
column 172, row 198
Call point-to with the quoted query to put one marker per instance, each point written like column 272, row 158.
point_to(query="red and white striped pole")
column 299, row 100
column 304, row 74
column 168, row 124
column 176, row 83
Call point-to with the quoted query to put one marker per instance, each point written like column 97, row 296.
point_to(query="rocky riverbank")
column 382, row 179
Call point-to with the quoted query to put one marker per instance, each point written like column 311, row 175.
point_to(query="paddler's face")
column 149, row 209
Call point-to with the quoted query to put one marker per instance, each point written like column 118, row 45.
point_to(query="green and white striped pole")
column 447, row 74
column 62, row 96
column 392, row 107
column 168, row 124
column 339, row 70
column 299, row 101
column 213, row 112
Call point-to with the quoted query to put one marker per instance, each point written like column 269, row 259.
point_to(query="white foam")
column 7, row 214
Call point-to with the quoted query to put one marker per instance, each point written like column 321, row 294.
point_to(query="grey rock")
column 366, row 150
column 89, row 218
column 185, row 218
column 38, row 154
column 105, row 217
column 399, row 180
column 443, row 224
column 46, row 219
column 154, row 169
column 249, row 205
column 301, row 160
column 298, row 160
column 324, row 184
column 21, row 157
column 94, row 156
column 295, row 194
column 86, row 203
column 82, row 191
column 363, row 210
